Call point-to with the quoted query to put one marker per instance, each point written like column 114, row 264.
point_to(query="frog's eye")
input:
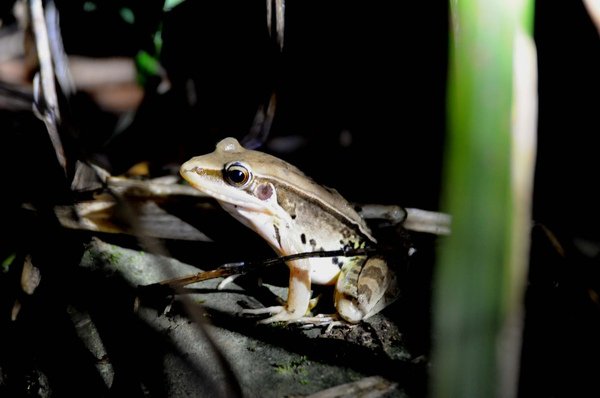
column 237, row 174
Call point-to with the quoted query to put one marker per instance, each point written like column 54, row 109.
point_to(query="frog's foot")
column 321, row 320
column 282, row 315
column 278, row 313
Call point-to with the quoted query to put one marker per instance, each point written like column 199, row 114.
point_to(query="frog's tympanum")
column 295, row 215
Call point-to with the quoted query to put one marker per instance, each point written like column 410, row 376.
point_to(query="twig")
column 244, row 267
column 279, row 19
column 44, row 80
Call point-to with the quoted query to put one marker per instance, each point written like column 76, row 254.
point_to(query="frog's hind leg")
column 363, row 290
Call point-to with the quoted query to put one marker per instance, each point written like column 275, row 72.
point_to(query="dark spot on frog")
column 303, row 238
column 264, row 191
column 293, row 218
column 335, row 260
column 346, row 233
column 312, row 242
column 277, row 235
column 348, row 246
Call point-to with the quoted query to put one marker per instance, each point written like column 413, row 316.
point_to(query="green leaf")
column 170, row 4
column 89, row 6
column 127, row 15
column 8, row 261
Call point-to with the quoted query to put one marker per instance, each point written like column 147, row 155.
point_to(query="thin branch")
column 244, row 267
column 49, row 112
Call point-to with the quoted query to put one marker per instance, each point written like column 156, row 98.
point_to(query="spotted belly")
column 325, row 270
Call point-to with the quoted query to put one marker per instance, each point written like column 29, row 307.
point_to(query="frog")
column 294, row 214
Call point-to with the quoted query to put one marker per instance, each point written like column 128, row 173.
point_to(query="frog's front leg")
column 298, row 300
column 362, row 290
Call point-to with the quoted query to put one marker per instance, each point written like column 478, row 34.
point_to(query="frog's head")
column 237, row 178
column 259, row 189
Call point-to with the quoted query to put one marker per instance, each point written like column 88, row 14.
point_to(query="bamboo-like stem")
column 479, row 277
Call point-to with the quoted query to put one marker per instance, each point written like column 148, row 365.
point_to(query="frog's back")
column 268, row 166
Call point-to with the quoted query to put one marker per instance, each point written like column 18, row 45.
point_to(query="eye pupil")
column 237, row 175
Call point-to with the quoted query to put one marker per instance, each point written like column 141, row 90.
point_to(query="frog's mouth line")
column 242, row 203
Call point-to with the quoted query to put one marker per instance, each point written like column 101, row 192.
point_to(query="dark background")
column 379, row 73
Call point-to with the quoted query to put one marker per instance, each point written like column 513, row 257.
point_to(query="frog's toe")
column 321, row 320
column 223, row 284
column 282, row 316
column 261, row 311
